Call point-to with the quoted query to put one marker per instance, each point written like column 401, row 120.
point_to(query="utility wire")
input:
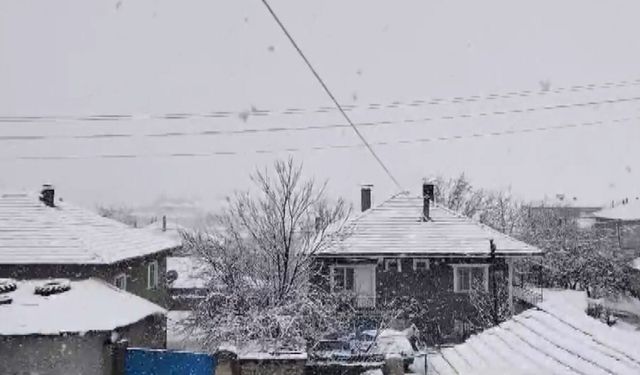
column 255, row 112
column 326, row 89
column 335, row 147
column 277, row 129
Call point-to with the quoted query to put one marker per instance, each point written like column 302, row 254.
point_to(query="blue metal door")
column 165, row 362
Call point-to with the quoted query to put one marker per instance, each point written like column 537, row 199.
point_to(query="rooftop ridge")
column 68, row 234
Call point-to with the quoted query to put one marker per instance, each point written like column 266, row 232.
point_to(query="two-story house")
column 41, row 237
column 407, row 246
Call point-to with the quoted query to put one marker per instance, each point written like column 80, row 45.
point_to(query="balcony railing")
column 365, row 302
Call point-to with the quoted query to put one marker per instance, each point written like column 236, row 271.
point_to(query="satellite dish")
column 172, row 275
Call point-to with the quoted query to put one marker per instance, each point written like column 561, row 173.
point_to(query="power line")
column 277, row 129
column 326, row 89
column 337, row 147
column 255, row 112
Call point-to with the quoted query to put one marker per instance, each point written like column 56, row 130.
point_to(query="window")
column 420, row 264
column 120, row 281
column 342, row 279
column 467, row 277
column 152, row 275
column 391, row 264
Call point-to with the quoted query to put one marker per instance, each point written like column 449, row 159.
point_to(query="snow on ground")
column 624, row 304
column 565, row 299
column 390, row 341
column 625, row 307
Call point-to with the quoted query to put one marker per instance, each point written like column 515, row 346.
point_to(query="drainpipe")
column 494, row 291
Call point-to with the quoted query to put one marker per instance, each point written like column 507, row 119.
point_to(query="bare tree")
column 459, row 195
column 577, row 258
column 497, row 209
column 261, row 259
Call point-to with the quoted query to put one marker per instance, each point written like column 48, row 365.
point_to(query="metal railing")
column 365, row 302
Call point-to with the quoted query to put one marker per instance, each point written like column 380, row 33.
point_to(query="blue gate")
column 166, row 362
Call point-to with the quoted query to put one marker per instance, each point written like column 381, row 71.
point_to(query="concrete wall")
column 440, row 306
column 272, row 367
column 54, row 355
column 74, row 354
column 135, row 269
column 148, row 333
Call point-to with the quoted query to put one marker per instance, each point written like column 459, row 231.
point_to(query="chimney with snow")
column 365, row 197
column 427, row 198
column 47, row 195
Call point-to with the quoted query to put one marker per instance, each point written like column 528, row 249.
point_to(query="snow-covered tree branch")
column 260, row 254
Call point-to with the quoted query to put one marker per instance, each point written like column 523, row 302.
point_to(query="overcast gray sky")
column 148, row 58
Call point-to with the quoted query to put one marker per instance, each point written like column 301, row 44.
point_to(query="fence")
column 166, row 362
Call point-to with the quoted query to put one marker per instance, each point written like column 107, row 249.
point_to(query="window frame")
column 333, row 280
column 155, row 273
column 469, row 266
column 121, row 276
column 425, row 261
column 398, row 261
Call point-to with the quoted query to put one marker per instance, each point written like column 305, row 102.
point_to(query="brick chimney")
column 47, row 195
column 365, row 197
column 427, row 198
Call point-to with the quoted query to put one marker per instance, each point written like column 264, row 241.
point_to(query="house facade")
column 187, row 284
column 45, row 238
column 625, row 220
column 409, row 248
column 72, row 330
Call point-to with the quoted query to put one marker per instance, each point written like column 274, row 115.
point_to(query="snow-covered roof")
column 395, row 227
column 544, row 340
column 34, row 233
column 629, row 211
column 172, row 229
column 190, row 272
column 90, row 305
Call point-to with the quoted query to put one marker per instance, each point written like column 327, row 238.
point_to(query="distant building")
column 410, row 247
column 569, row 208
column 41, row 237
column 69, row 327
column 625, row 219
column 187, row 282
